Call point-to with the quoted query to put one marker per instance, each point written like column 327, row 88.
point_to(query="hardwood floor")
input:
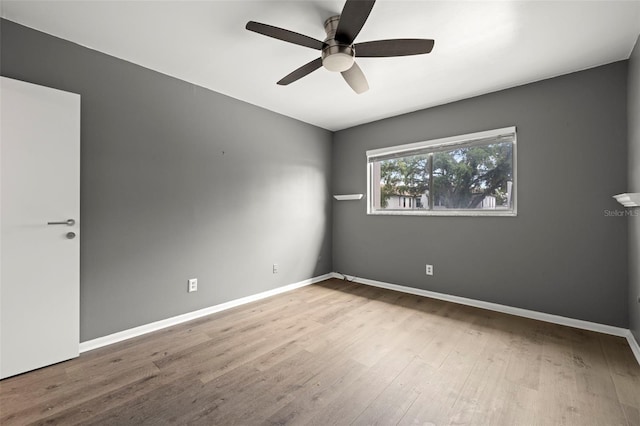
column 340, row 353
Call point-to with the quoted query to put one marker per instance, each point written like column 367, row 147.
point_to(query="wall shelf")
column 628, row 200
column 348, row 197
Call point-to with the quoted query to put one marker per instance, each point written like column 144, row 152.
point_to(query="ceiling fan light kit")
column 338, row 51
column 336, row 57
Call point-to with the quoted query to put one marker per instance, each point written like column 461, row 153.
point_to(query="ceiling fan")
column 338, row 49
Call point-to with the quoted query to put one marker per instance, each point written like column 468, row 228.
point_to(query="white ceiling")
column 480, row 47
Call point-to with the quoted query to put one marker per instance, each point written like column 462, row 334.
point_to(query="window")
column 468, row 175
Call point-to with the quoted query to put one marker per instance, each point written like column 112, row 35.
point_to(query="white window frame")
column 436, row 144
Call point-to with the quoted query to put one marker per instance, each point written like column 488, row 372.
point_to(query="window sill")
column 449, row 213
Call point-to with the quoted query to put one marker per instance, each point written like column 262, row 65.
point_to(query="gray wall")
column 561, row 254
column 180, row 182
column 634, row 186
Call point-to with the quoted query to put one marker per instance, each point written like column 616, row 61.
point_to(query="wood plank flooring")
column 339, row 353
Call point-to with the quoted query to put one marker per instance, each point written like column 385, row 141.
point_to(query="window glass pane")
column 401, row 183
column 474, row 177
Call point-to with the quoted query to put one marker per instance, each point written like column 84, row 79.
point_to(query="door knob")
column 68, row 222
column 71, row 235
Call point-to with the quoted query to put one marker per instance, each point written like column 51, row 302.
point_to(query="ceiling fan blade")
column 354, row 15
column 356, row 79
column 284, row 35
column 395, row 47
column 301, row 72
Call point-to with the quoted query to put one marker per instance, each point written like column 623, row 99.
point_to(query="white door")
column 40, row 263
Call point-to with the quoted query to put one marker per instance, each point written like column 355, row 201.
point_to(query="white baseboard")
column 555, row 319
column 158, row 325
column 635, row 348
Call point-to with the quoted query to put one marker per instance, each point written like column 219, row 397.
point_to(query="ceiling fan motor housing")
column 336, row 57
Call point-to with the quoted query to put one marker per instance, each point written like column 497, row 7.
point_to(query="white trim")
column 635, row 348
column 442, row 141
column 446, row 212
column 158, row 325
column 526, row 313
column 540, row 316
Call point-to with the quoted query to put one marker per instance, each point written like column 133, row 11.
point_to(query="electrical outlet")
column 193, row 285
column 429, row 270
column 275, row 268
